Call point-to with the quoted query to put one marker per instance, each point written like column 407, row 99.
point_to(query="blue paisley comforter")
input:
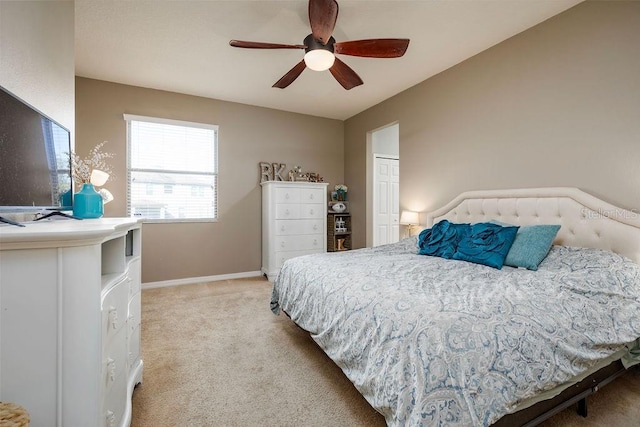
column 430, row 341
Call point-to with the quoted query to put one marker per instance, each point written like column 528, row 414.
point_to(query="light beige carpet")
column 215, row 355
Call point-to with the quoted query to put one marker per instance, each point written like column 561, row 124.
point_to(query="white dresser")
column 70, row 320
column 294, row 222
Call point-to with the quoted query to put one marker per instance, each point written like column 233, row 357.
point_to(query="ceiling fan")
column 320, row 47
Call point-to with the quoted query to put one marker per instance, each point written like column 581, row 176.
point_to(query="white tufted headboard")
column 585, row 220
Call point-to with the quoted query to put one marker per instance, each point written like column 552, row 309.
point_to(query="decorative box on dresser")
column 70, row 320
column 294, row 222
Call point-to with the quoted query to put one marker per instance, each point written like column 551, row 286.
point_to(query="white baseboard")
column 192, row 280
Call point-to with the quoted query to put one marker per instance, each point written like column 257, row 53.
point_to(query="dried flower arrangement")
column 83, row 169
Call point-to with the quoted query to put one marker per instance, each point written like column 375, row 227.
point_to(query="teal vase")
column 87, row 203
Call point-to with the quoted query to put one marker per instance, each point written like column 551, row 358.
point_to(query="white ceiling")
column 183, row 46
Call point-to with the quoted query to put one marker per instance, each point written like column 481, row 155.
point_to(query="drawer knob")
column 286, row 196
column 113, row 317
column 311, row 211
column 282, row 244
column 286, row 212
column 111, row 419
column 282, row 228
column 311, row 196
column 315, row 242
column 315, row 227
column 111, row 369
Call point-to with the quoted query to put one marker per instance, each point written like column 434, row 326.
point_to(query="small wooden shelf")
column 338, row 232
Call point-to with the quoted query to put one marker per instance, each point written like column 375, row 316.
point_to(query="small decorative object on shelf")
column 272, row 171
column 339, row 207
column 341, row 192
column 296, row 174
column 276, row 172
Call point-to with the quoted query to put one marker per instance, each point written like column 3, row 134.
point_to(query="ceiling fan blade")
column 261, row 45
column 345, row 75
column 291, row 75
column 373, row 48
column 322, row 17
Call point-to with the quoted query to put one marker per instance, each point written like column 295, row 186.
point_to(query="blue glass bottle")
column 87, row 203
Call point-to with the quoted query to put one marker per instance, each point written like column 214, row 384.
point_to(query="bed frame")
column 586, row 222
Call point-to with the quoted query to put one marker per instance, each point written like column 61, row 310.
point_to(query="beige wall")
column 37, row 61
column 557, row 105
column 247, row 136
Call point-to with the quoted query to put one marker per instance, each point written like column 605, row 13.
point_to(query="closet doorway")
column 383, row 186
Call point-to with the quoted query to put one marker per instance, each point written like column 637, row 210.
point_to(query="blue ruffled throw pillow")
column 442, row 239
column 486, row 244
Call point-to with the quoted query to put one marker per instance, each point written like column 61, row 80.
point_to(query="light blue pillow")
column 486, row 244
column 442, row 239
column 531, row 246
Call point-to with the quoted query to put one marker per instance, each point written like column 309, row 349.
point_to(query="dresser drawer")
column 114, row 309
column 287, row 211
column 115, row 402
column 286, row 227
column 114, row 360
column 312, row 195
column 288, row 195
column 300, row 243
column 134, row 312
column 312, row 210
column 134, row 277
column 133, row 352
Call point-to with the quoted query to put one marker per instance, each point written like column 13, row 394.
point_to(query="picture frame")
column 334, row 196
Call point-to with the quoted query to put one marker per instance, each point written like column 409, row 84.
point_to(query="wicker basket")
column 12, row 415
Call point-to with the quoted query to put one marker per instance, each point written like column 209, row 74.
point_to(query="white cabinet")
column 294, row 222
column 70, row 320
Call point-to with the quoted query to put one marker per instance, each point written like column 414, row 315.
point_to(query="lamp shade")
column 410, row 218
column 98, row 177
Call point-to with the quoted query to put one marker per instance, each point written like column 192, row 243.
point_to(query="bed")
column 434, row 341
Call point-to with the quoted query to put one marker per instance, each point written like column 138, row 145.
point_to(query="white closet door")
column 394, row 199
column 386, row 203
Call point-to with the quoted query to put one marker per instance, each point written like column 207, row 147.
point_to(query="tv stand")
column 8, row 221
column 70, row 310
column 57, row 213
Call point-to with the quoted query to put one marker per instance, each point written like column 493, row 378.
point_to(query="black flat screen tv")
column 35, row 154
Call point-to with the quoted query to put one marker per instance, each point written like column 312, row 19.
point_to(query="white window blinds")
column 172, row 169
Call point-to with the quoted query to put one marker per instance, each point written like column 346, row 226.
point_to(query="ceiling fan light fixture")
column 320, row 47
column 319, row 59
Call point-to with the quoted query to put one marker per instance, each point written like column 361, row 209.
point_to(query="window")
column 175, row 157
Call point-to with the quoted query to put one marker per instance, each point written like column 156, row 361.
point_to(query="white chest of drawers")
column 294, row 222
column 70, row 320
